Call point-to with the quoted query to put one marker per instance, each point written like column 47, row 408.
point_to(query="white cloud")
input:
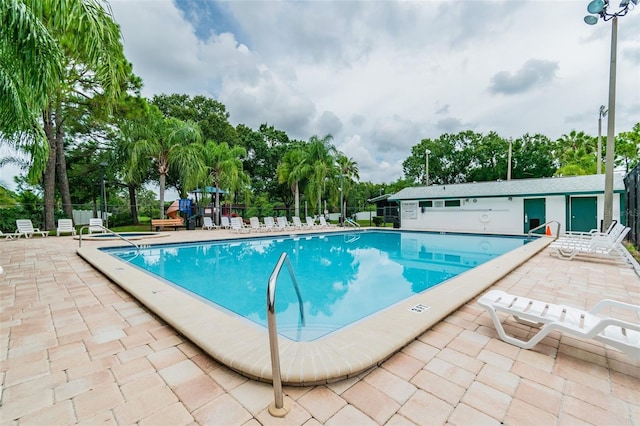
column 382, row 75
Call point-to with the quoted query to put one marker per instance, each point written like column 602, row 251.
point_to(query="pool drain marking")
column 419, row 308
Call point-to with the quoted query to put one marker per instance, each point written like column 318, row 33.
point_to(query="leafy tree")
column 576, row 153
column 532, row 157
column 292, row 170
column 224, row 169
column 348, row 169
column 209, row 114
column 628, row 148
column 89, row 52
column 168, row 142
column 319, row 154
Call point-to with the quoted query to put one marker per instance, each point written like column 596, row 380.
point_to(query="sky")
column 380, row 76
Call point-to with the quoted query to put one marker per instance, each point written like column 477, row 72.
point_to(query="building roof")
column 382, row 197
column 571, row 185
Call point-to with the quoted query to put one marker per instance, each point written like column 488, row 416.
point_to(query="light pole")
column 426, row 172
column 102, row 193
column 598, row 8
column 602, row 113
column 509, row 159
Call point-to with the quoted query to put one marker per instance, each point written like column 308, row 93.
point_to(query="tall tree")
column 319, row 154
column 89, row 48
column 628, row 148
column 224, row 169
column 348, row 170
column 576, row 153
column 292, row 170
column 169, row 143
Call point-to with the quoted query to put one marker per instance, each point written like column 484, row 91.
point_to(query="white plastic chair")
column 96, row 226
column 65, row 226
column 25, row 227
column 207, row 223
column 618, row 333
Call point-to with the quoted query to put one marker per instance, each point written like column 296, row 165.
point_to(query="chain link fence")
column 632, row 203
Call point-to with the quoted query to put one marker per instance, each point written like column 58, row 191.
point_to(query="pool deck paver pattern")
column 77, row 349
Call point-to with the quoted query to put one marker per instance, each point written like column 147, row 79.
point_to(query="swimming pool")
column 243, row 345
column 343, row 277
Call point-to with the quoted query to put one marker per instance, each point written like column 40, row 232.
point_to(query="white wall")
column 492, row 215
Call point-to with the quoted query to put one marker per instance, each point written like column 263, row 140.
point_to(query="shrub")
column 377, row 220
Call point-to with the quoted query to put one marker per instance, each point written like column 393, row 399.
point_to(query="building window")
column 452, row 203
column 426, row 203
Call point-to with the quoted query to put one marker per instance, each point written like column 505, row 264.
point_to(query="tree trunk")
column 297, row 198
column 49, row 178
column 162, row 181
column 217, row 187
column 61, row 169
column 133, row 204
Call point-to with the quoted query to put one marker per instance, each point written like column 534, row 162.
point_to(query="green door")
column 583, row 215
column 534, row 214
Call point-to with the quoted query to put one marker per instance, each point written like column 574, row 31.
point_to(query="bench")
column 170, row 223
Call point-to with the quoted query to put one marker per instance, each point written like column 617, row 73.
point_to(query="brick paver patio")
column 77, row 349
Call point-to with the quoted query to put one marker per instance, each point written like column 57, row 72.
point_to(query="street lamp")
column 102, row 193
column 599, row 8
column 509, row 159
column 602, row 113
column 426, row 172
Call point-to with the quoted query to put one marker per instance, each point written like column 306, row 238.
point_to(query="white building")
column 510, row 207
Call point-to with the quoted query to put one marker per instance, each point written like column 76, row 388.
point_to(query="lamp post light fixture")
column 426, row 171
column 602, row 113
column 600, row 9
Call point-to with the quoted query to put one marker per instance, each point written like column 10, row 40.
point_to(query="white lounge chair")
column 620, row 334
column 96, row 226
column 269, row 223
column 255, row 225
column 238, row 226
column 225, row 223
column 207, row 223
column 297, row 223
column 9, row 235
column 65, row 226
column 311, row 223
column 602, row 246
column 585, row 237
column 25, row 227
column 324, row 223
column 282, row 223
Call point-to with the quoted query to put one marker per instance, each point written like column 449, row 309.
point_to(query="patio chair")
column 96, row 226
column 9, row 235
column 618, row 333
column 65, row 226
column 325, row 224
column 584, row 237
column 269, row 223
column 238, row 226
column 601, row 246
column 297, row 223
column 255, row 225
column 207, row 223
column 282, row 223
column 25, row 227
column 225, row 223
column 311, row 223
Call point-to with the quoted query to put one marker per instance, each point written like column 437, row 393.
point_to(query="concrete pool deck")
column 77, row 348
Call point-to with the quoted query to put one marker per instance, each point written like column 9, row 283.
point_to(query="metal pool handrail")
column 544, row 225
column 278, row 408
column 351, row 222
column 108, row 231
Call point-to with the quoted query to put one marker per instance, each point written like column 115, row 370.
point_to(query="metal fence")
column 632, row 203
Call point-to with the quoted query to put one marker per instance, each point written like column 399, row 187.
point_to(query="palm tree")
column 577, row 154
column 224, row 168
column 170, row 143
column 292, row 170
column 46, row 46
column 319, row 154
column 348, row 170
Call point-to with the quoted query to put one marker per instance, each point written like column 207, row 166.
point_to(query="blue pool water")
column 343, row 277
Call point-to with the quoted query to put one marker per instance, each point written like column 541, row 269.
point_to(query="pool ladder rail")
column 544, row 226
column 108, row 231
column 279, row 408
column 352, row 223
